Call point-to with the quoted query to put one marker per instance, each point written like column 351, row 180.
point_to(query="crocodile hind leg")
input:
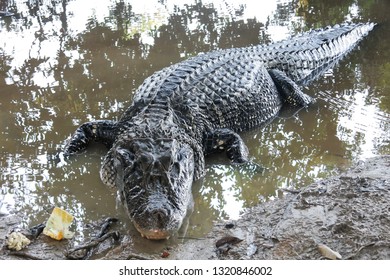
column 103, row 131
column 224, row 139
column 289, row 90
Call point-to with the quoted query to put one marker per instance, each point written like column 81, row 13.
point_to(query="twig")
column 191, row 238
column 89, row 246
column 24, row 255
column 106, row 225
column 379, row 243
column 290, row 191
column 137, row 257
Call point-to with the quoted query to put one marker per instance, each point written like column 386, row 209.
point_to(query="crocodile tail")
column 307, row 56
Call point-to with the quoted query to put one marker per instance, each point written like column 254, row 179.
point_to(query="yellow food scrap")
column 57, row 227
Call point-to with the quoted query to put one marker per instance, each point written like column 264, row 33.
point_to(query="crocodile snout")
column 157, row 225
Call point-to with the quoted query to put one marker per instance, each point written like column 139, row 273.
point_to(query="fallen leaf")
column 231, row 240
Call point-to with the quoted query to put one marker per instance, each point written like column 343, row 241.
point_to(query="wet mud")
column 348, row 213
column 346, row 216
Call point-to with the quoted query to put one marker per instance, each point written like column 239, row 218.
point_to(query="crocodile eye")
column 135, row 146
column 179, row 156
column 125, row 155
column 124, row 161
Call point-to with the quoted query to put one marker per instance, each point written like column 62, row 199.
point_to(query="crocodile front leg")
column 289, row 90
column 102, row 131
column 224, row 139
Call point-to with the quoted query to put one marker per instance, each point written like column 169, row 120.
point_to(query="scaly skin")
column 196, row 107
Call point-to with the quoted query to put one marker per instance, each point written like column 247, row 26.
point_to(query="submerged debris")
column 6, row 14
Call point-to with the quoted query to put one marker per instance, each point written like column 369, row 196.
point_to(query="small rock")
column 251, row 250
column 328, row 253
column 229, row 226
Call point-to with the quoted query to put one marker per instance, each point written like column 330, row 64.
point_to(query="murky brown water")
column 66, row 62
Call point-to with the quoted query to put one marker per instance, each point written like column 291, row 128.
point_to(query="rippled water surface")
column 66, row 62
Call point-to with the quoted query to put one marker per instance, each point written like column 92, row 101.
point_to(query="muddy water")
column 67, row 62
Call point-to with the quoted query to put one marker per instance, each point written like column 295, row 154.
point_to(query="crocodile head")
column 155, row 178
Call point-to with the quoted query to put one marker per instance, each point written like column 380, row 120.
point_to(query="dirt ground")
column 348, row 214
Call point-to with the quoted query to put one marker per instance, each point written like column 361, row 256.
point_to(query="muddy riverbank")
column 348, row 213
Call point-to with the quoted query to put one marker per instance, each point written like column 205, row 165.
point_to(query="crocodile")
column 188, row 110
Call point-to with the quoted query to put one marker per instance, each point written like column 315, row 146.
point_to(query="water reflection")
column 67, row 62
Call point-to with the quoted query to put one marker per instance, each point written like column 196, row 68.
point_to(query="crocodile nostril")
column 160, row 216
